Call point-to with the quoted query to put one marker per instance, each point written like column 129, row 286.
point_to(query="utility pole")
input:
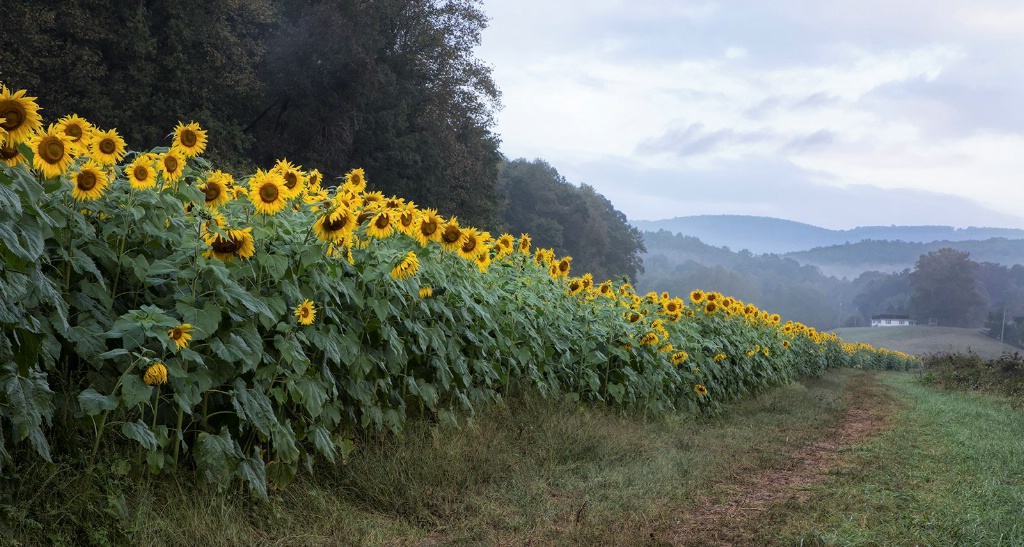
column 1002, row 330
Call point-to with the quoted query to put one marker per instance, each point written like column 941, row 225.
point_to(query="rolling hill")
column 774, row 235
column 919, row 340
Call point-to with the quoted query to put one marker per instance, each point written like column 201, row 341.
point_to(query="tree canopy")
column 573, row 220
column 945, row 288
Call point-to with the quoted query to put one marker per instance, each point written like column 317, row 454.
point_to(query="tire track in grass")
column 745, row 512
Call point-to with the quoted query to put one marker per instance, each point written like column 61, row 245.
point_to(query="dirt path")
column 742, row 516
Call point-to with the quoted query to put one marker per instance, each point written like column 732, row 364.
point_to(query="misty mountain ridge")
column 774, row 235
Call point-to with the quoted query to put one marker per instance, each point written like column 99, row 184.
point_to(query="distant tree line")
column 392, row 86
column 944, row 285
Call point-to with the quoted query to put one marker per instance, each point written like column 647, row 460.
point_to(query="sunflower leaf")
column 139, row 431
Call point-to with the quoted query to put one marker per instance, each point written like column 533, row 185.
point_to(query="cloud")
column 694, row 139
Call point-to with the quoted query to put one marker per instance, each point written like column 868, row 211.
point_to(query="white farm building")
column 891, row 320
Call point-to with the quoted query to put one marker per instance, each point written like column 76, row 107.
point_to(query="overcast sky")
column 837, row 113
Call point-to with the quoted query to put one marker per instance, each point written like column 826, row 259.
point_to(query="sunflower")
column 355, row 180
column 171, row 165
column 719, row 357
column 347, row 199
column 505, row 245
column 588, row 281
column 335, row 226
column 575, row 286
column 189, row 139
column 315, row 178
column 155, row 375
column 106, row 147
column 710, row 308
column 141, row 174
column 700, row 390
column 408, row 214
column 20, row 116
column 380, row 225
column 471, row 244
column 229, row 244
column 679, row 357
column 606, row 289
column 78, row 132
column 426, row 292
column 785, row 344
column 306, row 312
column 451, row 235
column 524, row 244
column 697, row 296
column 483, row 261
column 181, row 335
column 266, row 192
column 407, row 268
column 563, row 266
column 293, row 177
column 216, row 189
column 52, row 152
column 429, row 227
column 11, row 155
column 649, row 339
column 90, row 182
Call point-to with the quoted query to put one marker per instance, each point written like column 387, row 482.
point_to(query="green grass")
column 532, row 470
column 920, row 340
column 949, row 472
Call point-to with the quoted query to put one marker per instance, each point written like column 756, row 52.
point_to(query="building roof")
column 889, row 316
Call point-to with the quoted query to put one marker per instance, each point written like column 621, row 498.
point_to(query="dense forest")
column 391, row 86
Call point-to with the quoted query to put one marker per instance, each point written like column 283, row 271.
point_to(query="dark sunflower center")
column 108, row 146
column 336, row 223
column 290, row 180
column 14, row 114
column 269, row 193
column 177, row 333
column 212, row 192
column 574, row 286
column 140, row 173
column 189, row 138
column 74, row 131
column 51, row 150
column 170, row 163
column 86, row 181
column 406, row 219
column 428, row 228
column 451, row 234
column 382, row 221
column 357, row 180
column 8, row 152
column 304, row 312
column 469, row 246
column 364, row 216
column 563, row 266
column 223, row 246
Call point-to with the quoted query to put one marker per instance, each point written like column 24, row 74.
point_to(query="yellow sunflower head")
column 20, row 115
column 451, row 235
column 426, row 292
column 700, row 390
column 524, row 244
column 407, row 267
column 679, row 357
column 78, row 132
column 106, row 147
column 355, row 181
column 305, row 312
column 89, row 182
column 141, row 174
column 181, row 335
column 51, row 152
column 380, row 226
column 11, row 155
column 293, row 177
column 505, row 245
column 471, row 244
column 171, row 165
column 429, row 226
column 266, row 192
column 216, row 189
column 335, row 226
column 230, row 244
column 155, row 375
column 483, row 261
column 189, row 139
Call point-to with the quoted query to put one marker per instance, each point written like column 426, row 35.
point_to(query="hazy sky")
column 838, row 113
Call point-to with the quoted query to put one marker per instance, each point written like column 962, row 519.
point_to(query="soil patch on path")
column 740, row 512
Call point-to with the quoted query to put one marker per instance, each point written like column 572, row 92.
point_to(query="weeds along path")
column 740, row 508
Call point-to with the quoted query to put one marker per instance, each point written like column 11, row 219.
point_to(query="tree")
column 945, row 288
column 573, row 220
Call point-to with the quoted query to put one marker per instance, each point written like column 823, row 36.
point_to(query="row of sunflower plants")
column 255, row 325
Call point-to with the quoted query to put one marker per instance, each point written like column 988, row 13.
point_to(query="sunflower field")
column 249, row 326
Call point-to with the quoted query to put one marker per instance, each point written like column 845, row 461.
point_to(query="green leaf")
column 322, row 442
column 134, row 391
column 93, row 403
column 254, row 472
column 140, row 432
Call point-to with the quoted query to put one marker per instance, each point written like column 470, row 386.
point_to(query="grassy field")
column 918, row 340
column 853, row 458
